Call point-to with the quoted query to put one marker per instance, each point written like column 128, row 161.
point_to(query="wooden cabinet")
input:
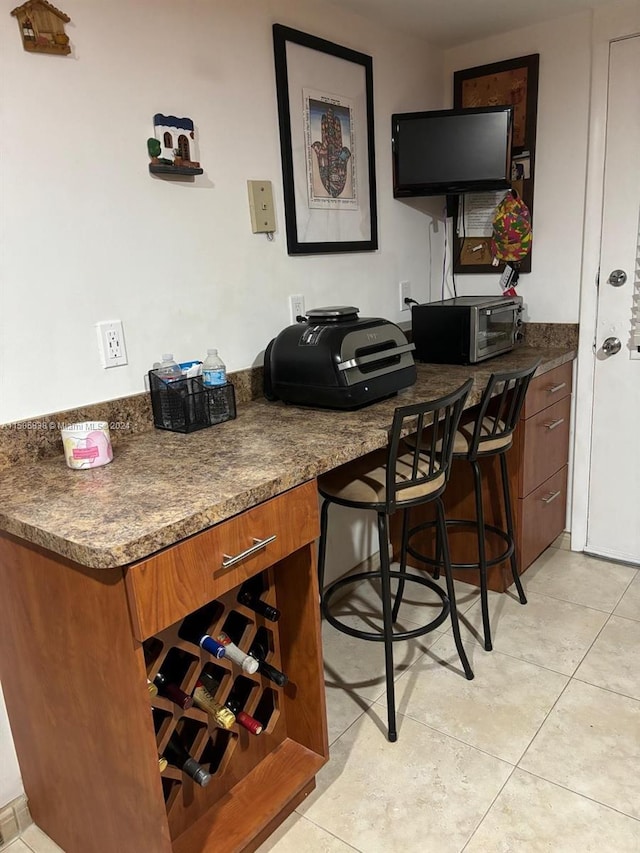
column 539, row 464
column 79, row 644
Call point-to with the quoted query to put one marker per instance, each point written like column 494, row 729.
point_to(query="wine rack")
column 80, row 645
column 216, row 749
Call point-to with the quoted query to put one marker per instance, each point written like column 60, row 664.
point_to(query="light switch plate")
column 263, row 216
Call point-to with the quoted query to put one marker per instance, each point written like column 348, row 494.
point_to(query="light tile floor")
column 538, row 754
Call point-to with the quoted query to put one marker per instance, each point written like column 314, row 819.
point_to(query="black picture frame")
column 492, row 79
column 338, row 221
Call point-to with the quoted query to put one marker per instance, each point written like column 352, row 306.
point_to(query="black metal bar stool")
column 398, row 478
column 489, row 433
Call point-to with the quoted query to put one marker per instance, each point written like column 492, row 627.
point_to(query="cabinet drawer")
column 547, row 389
column 545, row 445
column 164, row 588
column 541, row 517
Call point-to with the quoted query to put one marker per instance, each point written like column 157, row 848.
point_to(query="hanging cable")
column 454, row 262
column 444, row 258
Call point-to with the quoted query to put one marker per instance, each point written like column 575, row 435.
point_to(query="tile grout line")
column 580, row 604
column 563, row 691
column 332, row 834
column 606, row 689
column 571, row 678
column 491, row 804
column 579, row 794
column 453, row 737
column 577, row 603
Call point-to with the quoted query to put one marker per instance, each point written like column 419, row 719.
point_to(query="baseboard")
column 14, row 819
column 563, row 541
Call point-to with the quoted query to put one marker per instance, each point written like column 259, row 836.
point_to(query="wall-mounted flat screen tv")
column 448, row 152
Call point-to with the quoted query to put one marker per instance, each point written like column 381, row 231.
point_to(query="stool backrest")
column 500, row 406
column 427, row 458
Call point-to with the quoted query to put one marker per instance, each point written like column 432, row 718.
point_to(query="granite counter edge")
column 149, row 544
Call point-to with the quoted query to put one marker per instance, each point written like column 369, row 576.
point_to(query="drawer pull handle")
column 553, row 388
column 258, row 545
column 554, row 424
column 551, row 497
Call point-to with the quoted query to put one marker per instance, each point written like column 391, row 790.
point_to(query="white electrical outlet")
column 296, row 307
column 111, row 343
column 405, row 293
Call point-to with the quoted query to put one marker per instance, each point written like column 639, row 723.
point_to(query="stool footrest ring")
column 378, row 636
column 459, row 522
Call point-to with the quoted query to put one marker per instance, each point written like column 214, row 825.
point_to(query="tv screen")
column 448, row 152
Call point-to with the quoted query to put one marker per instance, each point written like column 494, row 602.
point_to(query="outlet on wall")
column 296, row 307
column 405, row 293
column 111, row 343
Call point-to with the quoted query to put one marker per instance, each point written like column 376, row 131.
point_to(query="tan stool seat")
column 486, row 443
column 364, row 480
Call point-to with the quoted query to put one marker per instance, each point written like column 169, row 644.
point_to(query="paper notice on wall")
column 476, row 212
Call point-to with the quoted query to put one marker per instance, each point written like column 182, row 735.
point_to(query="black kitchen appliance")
column 337, row 360
column 466, row 329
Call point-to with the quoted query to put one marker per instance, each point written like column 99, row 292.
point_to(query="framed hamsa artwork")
column 325, row 108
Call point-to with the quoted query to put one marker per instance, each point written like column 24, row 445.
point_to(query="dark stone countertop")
column 162, row 487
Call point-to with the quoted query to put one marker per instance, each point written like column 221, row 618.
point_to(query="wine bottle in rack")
column 235, row 702
column 162, row 764
column 153, row 690
column 249, row 595
column 205, row 700
column 167, row 688
column 198, row 638
column 177, row 755
column 236, row 655
column 259, row 651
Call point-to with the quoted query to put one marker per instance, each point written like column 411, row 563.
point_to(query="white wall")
column 552, row 290
column 86, row 234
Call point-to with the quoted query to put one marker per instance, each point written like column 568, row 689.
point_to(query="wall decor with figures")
column 173, row 148
column 42, row 27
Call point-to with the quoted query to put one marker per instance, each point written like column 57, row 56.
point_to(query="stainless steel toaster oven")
column 466, row 329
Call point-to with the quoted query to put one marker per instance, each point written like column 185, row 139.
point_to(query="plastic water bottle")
column 169, row 371
column 214, row 377
column 213, row 370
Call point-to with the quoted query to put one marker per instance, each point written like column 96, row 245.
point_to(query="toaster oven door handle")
column 374, row 356
column 502, row 308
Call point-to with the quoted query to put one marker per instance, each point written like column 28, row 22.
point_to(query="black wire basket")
column 185, row 405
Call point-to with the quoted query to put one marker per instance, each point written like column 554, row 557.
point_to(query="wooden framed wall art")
column 325, row 110
column 513, row 82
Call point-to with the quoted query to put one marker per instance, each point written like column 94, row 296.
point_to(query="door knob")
column 611, row 346
column 617, row 278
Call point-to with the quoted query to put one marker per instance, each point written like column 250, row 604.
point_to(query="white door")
column 613, row 527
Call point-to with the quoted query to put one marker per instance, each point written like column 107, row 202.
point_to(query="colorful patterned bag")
column 512, row 237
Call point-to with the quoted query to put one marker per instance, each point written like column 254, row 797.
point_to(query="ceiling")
column 447, row 23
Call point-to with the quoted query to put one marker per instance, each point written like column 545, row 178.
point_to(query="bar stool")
column 489, row 433
column 397, row 478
